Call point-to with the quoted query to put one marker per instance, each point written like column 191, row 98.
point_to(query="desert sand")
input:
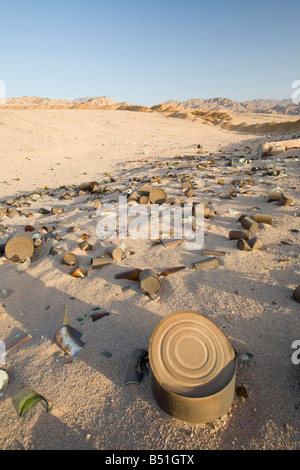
column 47, row 152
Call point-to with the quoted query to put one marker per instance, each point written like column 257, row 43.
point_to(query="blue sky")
column 146, row 52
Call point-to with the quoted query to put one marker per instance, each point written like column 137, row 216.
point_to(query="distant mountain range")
column 193, row 105
column 36, row 101
column 262, row 106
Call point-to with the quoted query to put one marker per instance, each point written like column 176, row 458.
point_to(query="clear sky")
column 146, row 52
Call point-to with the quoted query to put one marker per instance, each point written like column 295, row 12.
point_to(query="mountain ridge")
column 257, row 106
column 219, row 104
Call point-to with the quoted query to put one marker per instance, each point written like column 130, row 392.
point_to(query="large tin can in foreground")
column 194, row 368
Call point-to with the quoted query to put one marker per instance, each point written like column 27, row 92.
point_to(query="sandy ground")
column 249, row 296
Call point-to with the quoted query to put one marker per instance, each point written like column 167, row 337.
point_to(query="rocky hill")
column 264, row 106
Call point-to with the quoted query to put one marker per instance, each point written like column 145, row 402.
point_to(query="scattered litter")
column 107, row 354
column 154, row 298
column 117, row 253
column 22, row 267
column 70, row 259
column 296, row 294
column 171, row 270
column 285, row 201
column 249, row 245
column 263, row 219
column 149, row 282
column 137, row 367
column 244, row 359
column 102, row 261
column 26, row 399
column 241, row 392
column 249, row 223
column 4, row 293
column 23, row 340
column 68, row 338
column 99, row 315
column 213, row 253
column 206, row 263
column 237, row 234
column 19, row 247
column 78, row 272
column 171, row 243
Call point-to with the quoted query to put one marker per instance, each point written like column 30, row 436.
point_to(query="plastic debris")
column 23, row 266
column 244, row 359
column 23, row 340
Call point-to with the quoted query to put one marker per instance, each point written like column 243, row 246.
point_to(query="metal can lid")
column 190, row 356
column 150, row 285
column 157, row 196
column 117, row 254
column 19, row 247
column 69, row 259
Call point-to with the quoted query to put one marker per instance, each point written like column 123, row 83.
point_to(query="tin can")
column 285, row 201
column 78, row 272
column 157, row 196
column 237, row 234
column 263, row 219
column 149, row 282
column 206, row 263
column 274, row 196
column 249, row 245
column 249, row 223
column 19, row 247
column 134, row 196
column 101, row 262
column 115, row 253
column 213, row 253
column 70, row 259
column 144, row 200
column 194, row 368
